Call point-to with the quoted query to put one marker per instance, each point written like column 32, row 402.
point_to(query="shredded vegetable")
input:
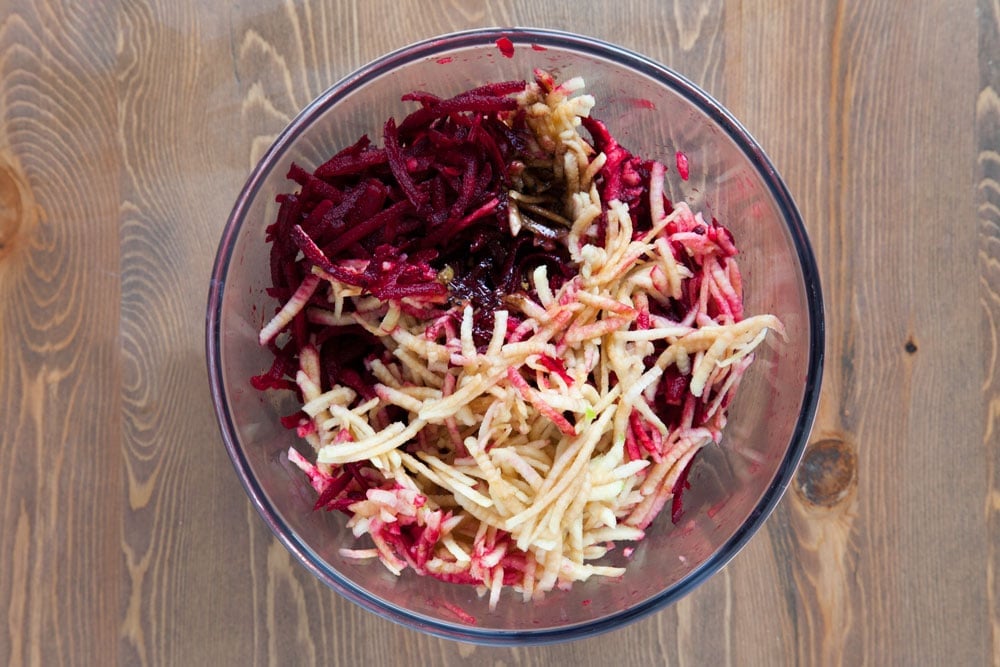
column 507, row 342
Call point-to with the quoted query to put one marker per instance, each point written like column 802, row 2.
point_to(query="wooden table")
column 126, row 131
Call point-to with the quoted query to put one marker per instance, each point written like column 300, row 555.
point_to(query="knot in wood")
column 827, row 473
column 11, row 209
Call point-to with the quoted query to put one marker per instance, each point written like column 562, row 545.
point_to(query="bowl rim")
column 784, row 472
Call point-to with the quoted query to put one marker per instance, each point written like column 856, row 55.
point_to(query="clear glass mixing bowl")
column 653, row 112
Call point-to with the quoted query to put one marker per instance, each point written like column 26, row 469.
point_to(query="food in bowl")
column 508, row 344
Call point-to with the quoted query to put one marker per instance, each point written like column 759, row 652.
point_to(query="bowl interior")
column 733, row 486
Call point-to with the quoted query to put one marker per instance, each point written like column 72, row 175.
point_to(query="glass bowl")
column 654, row 112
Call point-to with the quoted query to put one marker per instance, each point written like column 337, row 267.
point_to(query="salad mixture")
column 507, row 342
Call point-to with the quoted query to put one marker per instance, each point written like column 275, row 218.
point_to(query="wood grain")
column 988, row 203
column 177, row 182
column 60, row 474
column 879, row 141
column 126, row 131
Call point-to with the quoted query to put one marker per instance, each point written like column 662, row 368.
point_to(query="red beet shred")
column 506, row 47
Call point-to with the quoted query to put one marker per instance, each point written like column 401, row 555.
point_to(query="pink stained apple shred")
column 683, row 166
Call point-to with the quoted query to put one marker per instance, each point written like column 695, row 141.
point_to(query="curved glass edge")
column 814, row 370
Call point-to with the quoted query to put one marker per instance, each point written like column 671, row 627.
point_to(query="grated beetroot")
column 680, row 486
column 506, row 47
column 434, row 196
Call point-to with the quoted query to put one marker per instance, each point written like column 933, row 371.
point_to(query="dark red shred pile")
column 433, row 196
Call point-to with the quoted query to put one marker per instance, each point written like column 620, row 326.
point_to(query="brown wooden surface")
column 126, row 130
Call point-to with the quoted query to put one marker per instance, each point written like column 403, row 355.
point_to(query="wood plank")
column 60, row 484
column 861, row 118
column 185, row 544
column 988, row 203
